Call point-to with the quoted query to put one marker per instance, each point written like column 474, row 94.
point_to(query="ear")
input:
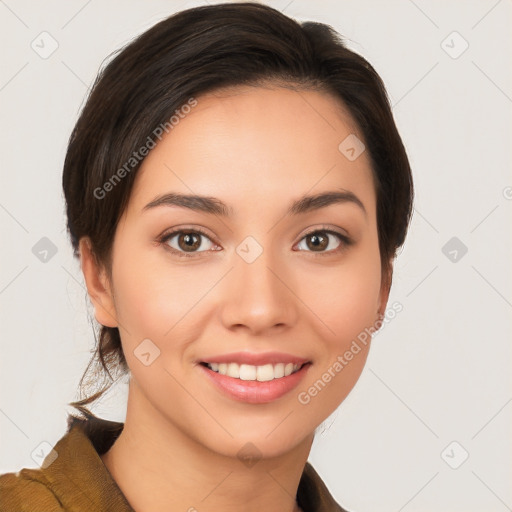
column 385, row 288
column 98, row 285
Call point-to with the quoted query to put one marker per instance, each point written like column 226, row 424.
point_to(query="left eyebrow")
column 309, row 203
column 214, row 206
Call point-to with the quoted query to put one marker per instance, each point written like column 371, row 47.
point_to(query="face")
column 258, row 287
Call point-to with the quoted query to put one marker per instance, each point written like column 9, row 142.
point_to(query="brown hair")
column 193, row 52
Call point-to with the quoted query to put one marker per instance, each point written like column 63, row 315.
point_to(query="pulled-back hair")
column 186, row 55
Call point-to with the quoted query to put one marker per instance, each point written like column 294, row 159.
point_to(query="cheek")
column 153, row 297
column 345, row 302
column 345, row 297
column 148, row 300
column 160, row 301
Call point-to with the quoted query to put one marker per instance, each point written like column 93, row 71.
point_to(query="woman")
column 236, row 191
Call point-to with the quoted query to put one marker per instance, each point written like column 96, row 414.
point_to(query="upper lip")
column 255, row 359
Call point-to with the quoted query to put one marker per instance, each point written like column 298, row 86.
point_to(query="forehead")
column 257, row 143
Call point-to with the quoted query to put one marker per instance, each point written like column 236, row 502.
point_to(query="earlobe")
column 98, row 286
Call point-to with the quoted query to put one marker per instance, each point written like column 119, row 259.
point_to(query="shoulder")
column 27, row 491
column 71, row 477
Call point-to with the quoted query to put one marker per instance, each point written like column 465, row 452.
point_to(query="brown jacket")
column 78, row 481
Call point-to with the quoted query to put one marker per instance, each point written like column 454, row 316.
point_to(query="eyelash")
column 345, row 241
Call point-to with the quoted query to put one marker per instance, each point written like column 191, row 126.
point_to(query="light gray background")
column 438, row 373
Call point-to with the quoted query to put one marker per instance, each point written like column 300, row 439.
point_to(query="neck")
column 158, row 467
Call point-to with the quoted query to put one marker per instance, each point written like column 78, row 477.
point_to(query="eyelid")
column 344, row 238
column 325, row 228
column 166, row 236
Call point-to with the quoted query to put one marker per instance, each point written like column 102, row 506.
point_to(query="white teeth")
column 233, row 370
column 265, row 372
column 247, row 372
column 279, row 370
column 262, row 373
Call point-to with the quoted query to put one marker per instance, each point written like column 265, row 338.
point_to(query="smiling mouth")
column 248, row 372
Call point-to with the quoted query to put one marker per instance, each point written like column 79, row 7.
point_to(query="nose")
column 259, row 296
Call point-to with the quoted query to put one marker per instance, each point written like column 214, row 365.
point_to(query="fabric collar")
column 78, row 474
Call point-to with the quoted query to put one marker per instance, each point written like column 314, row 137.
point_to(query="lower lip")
column 253, row 391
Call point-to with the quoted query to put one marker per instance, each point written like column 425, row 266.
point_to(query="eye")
column 188, row 242
column 319, row 241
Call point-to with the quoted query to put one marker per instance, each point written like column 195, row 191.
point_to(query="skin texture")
column 257, row 149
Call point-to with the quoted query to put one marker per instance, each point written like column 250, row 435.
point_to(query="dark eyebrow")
column 214, row 206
